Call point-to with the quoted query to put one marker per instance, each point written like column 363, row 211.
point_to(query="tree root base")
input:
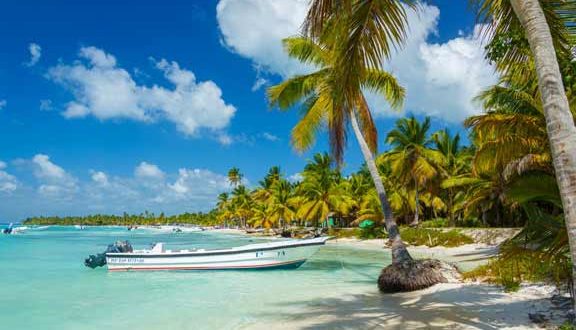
column 416, row 275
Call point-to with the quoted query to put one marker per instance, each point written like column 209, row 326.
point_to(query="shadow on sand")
column 446, row 306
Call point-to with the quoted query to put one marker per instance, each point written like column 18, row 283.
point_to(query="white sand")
column 444, row 306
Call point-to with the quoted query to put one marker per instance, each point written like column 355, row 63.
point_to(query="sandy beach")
column 444, row 306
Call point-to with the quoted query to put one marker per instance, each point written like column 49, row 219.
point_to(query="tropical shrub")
column 435, row 223
column 433, row 237
column 510, row 269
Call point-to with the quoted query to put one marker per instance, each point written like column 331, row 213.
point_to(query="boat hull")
column 256, row 256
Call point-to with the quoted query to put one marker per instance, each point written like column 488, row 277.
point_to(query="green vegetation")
column 434, row 237
column 200, row 219
column 523, row 266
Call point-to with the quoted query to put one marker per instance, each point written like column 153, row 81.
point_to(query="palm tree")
column 333, row 98
column 412, row 160
column 281, row 204
column 242, row 203
column 235, row 177
column 320, row 192
column 223, row 206
column 456, row 161
column 546, row 33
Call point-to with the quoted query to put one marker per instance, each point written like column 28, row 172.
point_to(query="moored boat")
column 280, row 254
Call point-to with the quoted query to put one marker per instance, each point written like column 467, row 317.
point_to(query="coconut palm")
column 235, row 177
column 223, row 206
column 281, row 204
column 412, row 160
column 456, row 161
column 333, row 98
column 241, row 203
column 320, row 191
column 545, row 29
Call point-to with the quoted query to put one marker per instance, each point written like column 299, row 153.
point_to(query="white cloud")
column 100, row 178
column 54, row 191
column 259, row 83
column 35, row 54
column 148, row 171
column 255, row 28
column 441, row 79
column 270, row 136
column 98, row 57
column 8, row 182
column 296, row 177
column 54, row 180
column 106, row 91
column 196, row 183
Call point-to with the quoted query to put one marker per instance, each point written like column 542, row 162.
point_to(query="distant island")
column 146, row 218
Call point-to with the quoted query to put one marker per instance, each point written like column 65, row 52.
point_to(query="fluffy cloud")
column 255, row 28
column 54, row 180
column 106, row 91
column 54, row 190
column 100, row 178
column 441, row 79
column 148, row 171
column 8, row 182
column 35, row 54
column 196, row 184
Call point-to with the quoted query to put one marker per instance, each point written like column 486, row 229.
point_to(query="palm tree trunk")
column 559, row 120
column 416, row 217
column 399, row 252
column 451, row 218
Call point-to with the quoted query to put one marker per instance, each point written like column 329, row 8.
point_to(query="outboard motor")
column 8, row 230
column 99, row 260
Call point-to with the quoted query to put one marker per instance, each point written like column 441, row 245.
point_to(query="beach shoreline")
column 467, row 305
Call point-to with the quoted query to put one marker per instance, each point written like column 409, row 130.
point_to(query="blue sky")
column 112, row 106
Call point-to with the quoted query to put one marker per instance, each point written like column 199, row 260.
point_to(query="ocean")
column 44, row 284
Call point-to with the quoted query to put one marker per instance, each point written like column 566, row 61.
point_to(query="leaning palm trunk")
column 405, row 273
column 559, row 120
column 399, row 252
column 416, row 219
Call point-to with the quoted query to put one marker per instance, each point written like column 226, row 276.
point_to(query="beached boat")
column 281, row 254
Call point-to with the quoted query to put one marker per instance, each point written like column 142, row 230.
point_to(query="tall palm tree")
column 235, row 177
column 320, row 192
column 281, row 204
column 334, row 99
column 222, row 206
column 547, row 35
column 412, row 160
column 242, row 203
column 456, row 161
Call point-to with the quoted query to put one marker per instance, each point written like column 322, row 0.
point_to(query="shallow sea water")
column 44, row 284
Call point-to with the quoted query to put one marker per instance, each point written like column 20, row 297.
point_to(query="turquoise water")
column 46, row 286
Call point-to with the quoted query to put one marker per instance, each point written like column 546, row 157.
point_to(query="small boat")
column 272, row 255
column 8, row 230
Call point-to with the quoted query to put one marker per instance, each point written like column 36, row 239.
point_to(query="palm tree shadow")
column 457, row 307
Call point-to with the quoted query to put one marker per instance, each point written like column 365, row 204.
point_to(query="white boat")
column 281, row 254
